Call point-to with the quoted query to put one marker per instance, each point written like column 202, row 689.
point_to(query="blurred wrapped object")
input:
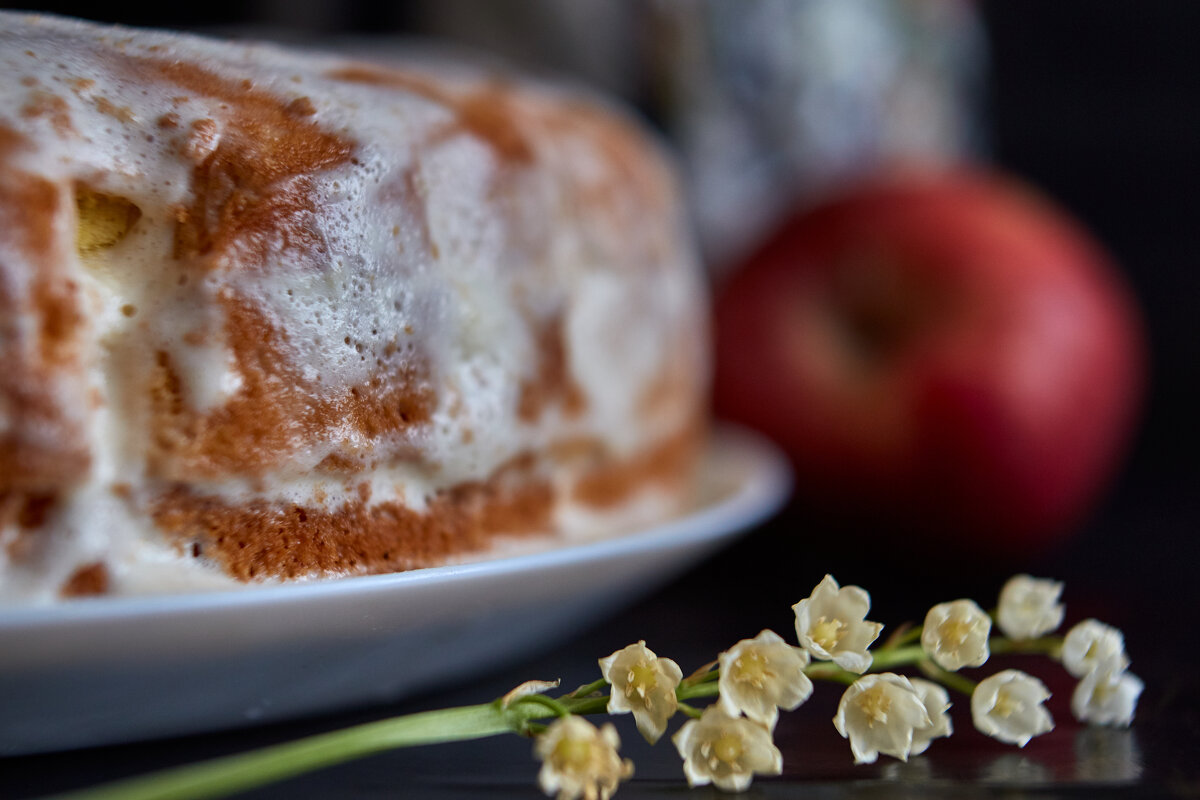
column 772, row 100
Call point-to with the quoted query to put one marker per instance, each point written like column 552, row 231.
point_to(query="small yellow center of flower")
column 954, row 632
column 875, row 704
column 728, row 748
column 1006, row 705
column 725, row 749
column 572, row 755
column 751, row 668
column 641, row 680
column 1103, row 691
column 828, row 633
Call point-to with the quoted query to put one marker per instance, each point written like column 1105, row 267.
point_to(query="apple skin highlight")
column 944, row 351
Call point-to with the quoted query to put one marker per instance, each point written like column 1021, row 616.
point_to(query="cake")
column 273, row 315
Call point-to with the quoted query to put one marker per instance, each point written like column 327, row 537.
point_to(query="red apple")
column 942, row 350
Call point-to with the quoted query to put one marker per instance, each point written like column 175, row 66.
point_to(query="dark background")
column 1098, row 103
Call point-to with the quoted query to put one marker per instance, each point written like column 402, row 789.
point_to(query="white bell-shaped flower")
column 726, row 750
column 579, row 760
column 831, row 625
column 955, row 634
column 644, row 684
column 761, row 675
column 879, row 714
column 1107, row 696
column 937, row 706
column 1029, row 607
column 1008, row 706
column 1091, row 644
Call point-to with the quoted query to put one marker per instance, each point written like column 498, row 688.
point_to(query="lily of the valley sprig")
column 882, row 711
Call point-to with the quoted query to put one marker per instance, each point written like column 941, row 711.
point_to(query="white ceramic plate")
column 122, row 669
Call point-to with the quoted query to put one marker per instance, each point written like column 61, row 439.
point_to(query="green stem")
column 588, row 688
column 706, row 673
column 555, row 707
column 903, row 636
column 828, row 671
column 952, row 680
column 687, row 692
column 223, row 776
column 883, row 659
column 1046, row 645
column 691, row 711
column 890, row 658
column 585, row 705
